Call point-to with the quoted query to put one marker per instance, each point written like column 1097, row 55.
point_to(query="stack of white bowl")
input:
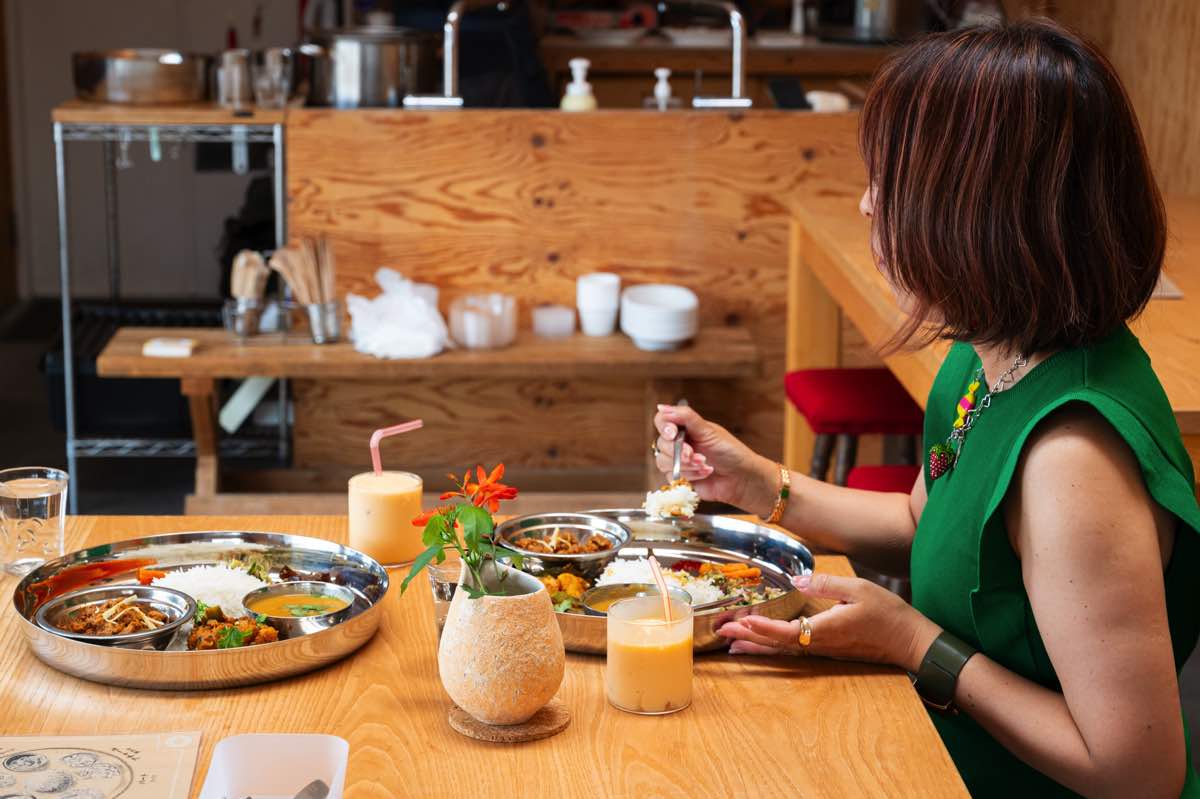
column 659, row 316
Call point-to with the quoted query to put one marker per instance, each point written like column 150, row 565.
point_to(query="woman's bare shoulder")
column 1077, row 473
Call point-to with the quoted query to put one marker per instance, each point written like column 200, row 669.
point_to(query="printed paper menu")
column 99, row 767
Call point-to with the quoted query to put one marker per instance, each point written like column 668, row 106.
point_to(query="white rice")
column 637, row 570
column 217, row 585
column 678, row 499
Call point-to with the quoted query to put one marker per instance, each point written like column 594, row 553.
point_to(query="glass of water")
column 32, row 505
column 272, row 77
column 443, row 579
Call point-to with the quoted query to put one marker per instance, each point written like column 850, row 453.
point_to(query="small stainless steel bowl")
column 617, row 591
column 543, row 525
column 294, row 626
column 177, row 606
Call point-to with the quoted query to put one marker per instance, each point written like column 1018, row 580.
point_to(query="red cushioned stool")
column 842, row 404
column 891, row 479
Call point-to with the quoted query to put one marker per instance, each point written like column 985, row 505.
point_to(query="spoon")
column 316, row 789
column 677, row 459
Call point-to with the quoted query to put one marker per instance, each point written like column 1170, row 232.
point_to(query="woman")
column 1054, row 562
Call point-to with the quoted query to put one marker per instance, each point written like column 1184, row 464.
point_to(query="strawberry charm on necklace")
column 944, row 456
column 941, row 458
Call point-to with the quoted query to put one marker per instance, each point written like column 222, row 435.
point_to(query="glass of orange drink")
column 649, row 669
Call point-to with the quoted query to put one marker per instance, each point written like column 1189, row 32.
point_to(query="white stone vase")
column 501, row 658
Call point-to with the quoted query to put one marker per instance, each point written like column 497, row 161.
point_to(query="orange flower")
column 486, row 491
column 489, row 492
column 423, row 519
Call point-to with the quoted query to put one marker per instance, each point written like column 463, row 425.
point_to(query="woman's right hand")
column 718, row 465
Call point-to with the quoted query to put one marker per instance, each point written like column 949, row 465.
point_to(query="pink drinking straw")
column 384, row 432
column 656, row 570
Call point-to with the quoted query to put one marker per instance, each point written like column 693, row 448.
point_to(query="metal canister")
column 370, row 67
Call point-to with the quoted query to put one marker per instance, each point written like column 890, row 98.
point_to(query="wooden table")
column 758, row 727
column 718, row 353
column 831, row 272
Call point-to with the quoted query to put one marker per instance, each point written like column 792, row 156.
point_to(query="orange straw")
column 382, row 433
column 656, row 570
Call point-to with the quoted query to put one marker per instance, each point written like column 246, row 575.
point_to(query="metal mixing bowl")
column 177, row 606
column 543, row 525
column 141, row 76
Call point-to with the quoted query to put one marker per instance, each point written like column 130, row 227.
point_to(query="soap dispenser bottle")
column 578, row 96
column 662, row 88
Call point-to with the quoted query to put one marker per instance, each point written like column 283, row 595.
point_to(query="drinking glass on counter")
column 649, row 669
column 484, row 321
column 33, row 502
column 272, row 77
column 382, row 507
column 443, row 580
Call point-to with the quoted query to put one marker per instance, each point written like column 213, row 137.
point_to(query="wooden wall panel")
column 525, row 201
column 1155, row 48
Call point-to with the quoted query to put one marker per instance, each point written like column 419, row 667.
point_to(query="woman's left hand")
column 869, row 623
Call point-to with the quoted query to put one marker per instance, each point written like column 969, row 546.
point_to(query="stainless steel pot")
column 368, row 67
column 141, row 76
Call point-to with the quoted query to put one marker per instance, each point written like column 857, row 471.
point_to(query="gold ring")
column 654, row 447
column 805, row 637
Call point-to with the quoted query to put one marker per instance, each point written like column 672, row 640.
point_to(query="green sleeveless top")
column 965, row 574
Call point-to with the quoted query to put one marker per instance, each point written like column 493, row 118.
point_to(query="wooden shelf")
column 717, row 352
column 77, row 112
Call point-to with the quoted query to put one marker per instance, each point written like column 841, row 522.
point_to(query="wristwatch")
column 937, row 677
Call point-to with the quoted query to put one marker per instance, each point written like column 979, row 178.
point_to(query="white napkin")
column 399, row 323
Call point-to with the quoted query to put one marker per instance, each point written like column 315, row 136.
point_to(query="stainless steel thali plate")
column 703, row 537
column 220, row 668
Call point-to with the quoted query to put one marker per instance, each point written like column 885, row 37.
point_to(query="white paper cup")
column 598, row 322
column 598, row 290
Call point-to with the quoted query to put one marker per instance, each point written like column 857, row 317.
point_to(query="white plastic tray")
column 275, row 766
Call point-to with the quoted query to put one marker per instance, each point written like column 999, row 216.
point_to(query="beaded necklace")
column 944, row 457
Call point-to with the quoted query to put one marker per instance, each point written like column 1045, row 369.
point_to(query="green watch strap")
column 937, row 678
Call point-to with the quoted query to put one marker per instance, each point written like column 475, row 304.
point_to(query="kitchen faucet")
column 449, row 98
column 737, row 72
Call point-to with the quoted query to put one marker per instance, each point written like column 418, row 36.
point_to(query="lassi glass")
column 382, row 507
column 649, row 669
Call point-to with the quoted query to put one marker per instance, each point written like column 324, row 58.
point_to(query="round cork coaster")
column 550, row 720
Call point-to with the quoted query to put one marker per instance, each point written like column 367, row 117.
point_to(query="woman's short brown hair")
column 1013, row 197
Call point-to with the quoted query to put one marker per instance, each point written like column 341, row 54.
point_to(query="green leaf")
column 472, row 592
column 477, row 527
column 421, row 562
column 201, row 614
column 435, row 530
column 231, row 638
column 564, row 605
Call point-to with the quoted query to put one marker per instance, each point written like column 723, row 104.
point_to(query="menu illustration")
column 99, row 767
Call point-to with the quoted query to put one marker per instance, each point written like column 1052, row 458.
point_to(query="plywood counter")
column 832, row 272
column 758, row 727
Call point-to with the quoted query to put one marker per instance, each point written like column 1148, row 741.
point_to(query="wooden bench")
column 718, row 353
